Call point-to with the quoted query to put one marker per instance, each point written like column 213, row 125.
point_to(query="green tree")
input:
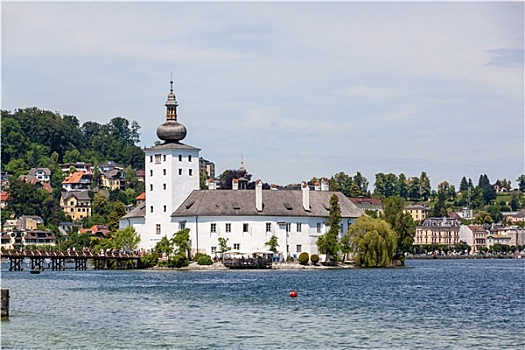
column 328, row 243
column 463, row 186
column 489, row 194
column 100, row 205
column 361, row 183
column 424, row 183
column 127, row 239
column 495, row 213
column 414, row 189
column 25, row 199
column 119, row 210
column 202, row 180
column 402, row 186
column 521, row 183
column 385, row 185
column 223, row 244
column 401, row 223
column 272, row 244
column 483, row 218
column 16, row 167
column 373, row 242
column 341, row 182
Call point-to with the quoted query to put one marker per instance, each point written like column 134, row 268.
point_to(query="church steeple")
column 171, row 131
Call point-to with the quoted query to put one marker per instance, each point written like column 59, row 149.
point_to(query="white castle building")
column 246, row 218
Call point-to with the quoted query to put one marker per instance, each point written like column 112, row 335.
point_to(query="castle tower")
column 172, row 173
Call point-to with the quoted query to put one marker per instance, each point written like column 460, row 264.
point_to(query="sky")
column 300, row 89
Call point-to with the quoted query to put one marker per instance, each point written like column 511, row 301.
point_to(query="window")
column 299, row 248
column 164, row 208
column 157, row 229
column 236, row 246
column 163, row 157
column 180, row 171
column 299, row 227
column 213, row 249
column 182, row 225
column 228, row 227
column 180, row 158
column 151, row 187
column 190, row 172
column 71, row 203
column 268, row 227
column 189, row 158
column 342, row 228
column 151, row 159
column 288, row 227
column 151, row 173
column 318, row 227
column 245, row 227
column 157, row 158
column 151, row 209
column 164, row 186
column 213, row 228
column 164, row 171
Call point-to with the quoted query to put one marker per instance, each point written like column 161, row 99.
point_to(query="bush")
column 314, row 259
column 203, row 259
column 149, row 259
column 303, row 258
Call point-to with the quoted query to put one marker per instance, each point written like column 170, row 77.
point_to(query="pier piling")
column 5, row 302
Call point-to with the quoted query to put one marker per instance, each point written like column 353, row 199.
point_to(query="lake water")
column 432, row 304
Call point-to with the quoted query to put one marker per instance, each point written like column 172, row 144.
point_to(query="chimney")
column 235, row 184
column 324, row 184
column 258, row 195
column 211, row 184
column 317, row 186
column 306, row 195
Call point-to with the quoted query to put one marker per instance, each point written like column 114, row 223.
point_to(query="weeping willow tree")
column 372, row 241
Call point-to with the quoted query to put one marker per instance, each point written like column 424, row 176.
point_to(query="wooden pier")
column 57, row 260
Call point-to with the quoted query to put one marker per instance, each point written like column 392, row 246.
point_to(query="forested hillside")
column 37, row 138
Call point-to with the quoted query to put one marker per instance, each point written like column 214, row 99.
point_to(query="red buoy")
column 293, row 294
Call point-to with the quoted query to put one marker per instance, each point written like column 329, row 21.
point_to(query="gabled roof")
column 141, row 197
column 80, row 195
column 138, row 212
column 74, row 178
column 417, row 206
column 4, row 196
column 33, row 171
column 275, row 203
column 359, row 200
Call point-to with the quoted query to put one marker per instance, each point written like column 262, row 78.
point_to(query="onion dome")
column 171, row 131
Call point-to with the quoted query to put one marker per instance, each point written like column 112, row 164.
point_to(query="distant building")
column 4, row 196
column 33, row 180
column 86, row 168
column 66, row 227
column 207, row 167
column 77, row 181
column 24, row 231
column 76, row 204
column 475, row 236
column 365, row 204
column 42, row 174
column 141, row 174
column 444, row 231
column 419, row 212
column 111, row 176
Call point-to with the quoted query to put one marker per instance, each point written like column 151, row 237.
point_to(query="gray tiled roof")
column 173, row 146
column 275, row 203
column 138, row 212
column 81, row 195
